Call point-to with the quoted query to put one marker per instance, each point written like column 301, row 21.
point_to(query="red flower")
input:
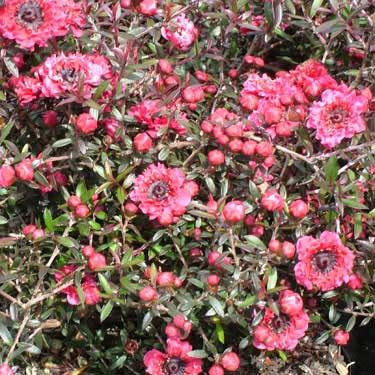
column 281, row 331
column 59, row 75
column 181, row 33
column 324, row 263
column 175, row 362
column 34, row 22
column 90, row 290
column 161, row 193
column 338, row 115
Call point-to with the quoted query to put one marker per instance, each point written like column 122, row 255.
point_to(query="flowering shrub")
column 185, row 187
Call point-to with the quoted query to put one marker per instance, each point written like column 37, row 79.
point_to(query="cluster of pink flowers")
column 34, row 22
column 283, row 103
column 323, row 263
column 153, row 114
column 284, row 330
column 60, row 75
column 181, row 32
column 89, row 287
column 163, row 193
column 146, row 7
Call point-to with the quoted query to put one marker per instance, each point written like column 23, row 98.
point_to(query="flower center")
column 30, row 15
column 175, row 366
column 337, row 115
column 68, row 75
column 159, row 190
column 280, row 323
column 324, row 261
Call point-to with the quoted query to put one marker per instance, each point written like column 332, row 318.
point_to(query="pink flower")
column 181, row 33
column 323, row 263
column 161, row 193
column 61, row 74
column 176, row 361
column 89, row 287
column 281, row 331
column 341, row 337
column 152, row 114
column 6, row 370
column 34, row 22
column 338, row 115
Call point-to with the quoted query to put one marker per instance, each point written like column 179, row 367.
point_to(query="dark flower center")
column 175, row 366
column 280, row 323
column 324, row 261
column 68, row 75
column 30, row 15
column 159, row 190
column 337, row 115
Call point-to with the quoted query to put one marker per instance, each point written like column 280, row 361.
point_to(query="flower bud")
column 290, row 302
column 74, row 201
column 37, row 233
column 288, row 249
column 50, row 119
column 7, row 176
column 264, row 149
column 165, row 66
column 299, row 209
column 341, row 337
column 230, row 361
column 201, row 76
column 28, row 230
column 172, row 331
column 6, row 370
column 234, row 211
column 96, row 260
column 216, row 157
column 272, row 201
column 249, row 147
column 355, row 281
column 213, row 280
column 142, row 142
column 193, row 94
column 86, row 123
column 81, row 211
column 235, row 145
column 88, row 251
column 275, row 246
column 273, row 114
column 165, row 278
column 233, row 73
column 249, row 102
column 216, row 370
column 148, row 294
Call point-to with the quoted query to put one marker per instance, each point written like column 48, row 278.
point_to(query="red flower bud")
column 230, row 361
column 165, row 66
column 211, row 89
column 355, row 281
column 165, row 278
column 81, row 211
column 177, row 282
column 273, row 114
column 288, row 249
column 37, row 233
column 235, row 130
column 341, row 337
column 275, row 246
column 272, row 201
column 74, row 201
column 216, row 157
column 216, row 370
column 88, row 251
column 213, row 259
column 172, row 331
column 195, row 252
column 193, row 94
column 25, row 170
column 7, row 176
column 234, row 211
column 148, row 294
column 235, row 145
column 249, row 147
column 131, row 208
column 290, row 302
column 142, row 142
column 264, row 149
column 299, row 209
column 96, row 260
column 29, row 229
column 233, row 73
column 207, row 126
column 201, row 76
column 86, row 123
column 213, row 280
column 249, row 101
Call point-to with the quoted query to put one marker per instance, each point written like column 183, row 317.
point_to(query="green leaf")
column 198, row 354
column 331, row 26
column 5, row 131
column 106, row 311
column 315, row 6
column 220, row 332
column 282, row 355
column 353, row 204
column 216, row 305
column 5, row 335
column 41, row 179
column 105, row 284
column 147, row 320
column 351, row 323
column 67, row 242
column 323, row 337
column 62, row 142
column 331, row 170
column 48, row 220
column 3, row 220
column 120, row 194
column 272, row 279
column 256, row 242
